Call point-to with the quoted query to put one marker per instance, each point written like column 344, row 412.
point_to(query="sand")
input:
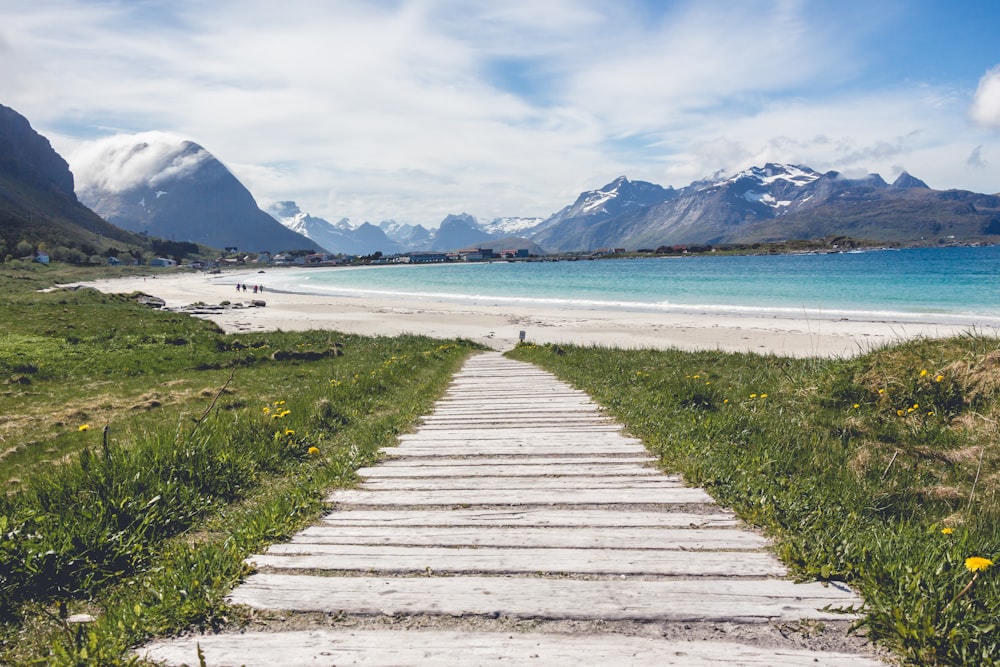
column 499, row 326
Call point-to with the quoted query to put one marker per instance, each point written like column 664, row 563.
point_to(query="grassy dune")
column 880, row 470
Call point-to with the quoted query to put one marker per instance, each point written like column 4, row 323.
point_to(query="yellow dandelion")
column 753, row 395
column 313, row 451
column 289, row 431
column 267, row 410
column 923, row 373
column 725, row 402
column 84, row 427
column 279, row 402
column 763, row 395
column 939, row 378
column 697, row 377
column 916, row 406
column 978, row 564
column 284, row 413
column 707, row 383
column 275, row 416
column 947, row 530
column 899, row 412
column 856, row 406
column 881, row 392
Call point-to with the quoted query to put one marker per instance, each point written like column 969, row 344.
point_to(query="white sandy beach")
column 499, row 326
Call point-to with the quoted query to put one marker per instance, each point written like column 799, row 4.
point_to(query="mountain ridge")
column 158, row 184
column 768, row 203
column 38, row 203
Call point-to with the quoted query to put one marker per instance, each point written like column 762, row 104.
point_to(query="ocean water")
column 948, row 285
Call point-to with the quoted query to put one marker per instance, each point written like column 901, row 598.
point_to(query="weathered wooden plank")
column 472, row 449
column 478, row 484
column 568, row 462
column 558, row 444
column 379, row 558
column 384, row 648
column 735, row 600
column 676, row 496
column 638, row 458
column 495, row 402
column 590, row 537
column 580, row 446
column 531, row 516
column 526, row 406
column 555, row 432
column 486, row 423
column 495, row 468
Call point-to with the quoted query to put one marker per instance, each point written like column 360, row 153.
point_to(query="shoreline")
column 498, row 325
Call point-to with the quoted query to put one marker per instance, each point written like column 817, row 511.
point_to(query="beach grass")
column 146, row 454
column 878, row 471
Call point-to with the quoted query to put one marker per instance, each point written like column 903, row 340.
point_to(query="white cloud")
column 419, row 108
column 986, row 104
column 122, row 162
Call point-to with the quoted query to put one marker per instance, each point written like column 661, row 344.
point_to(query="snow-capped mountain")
column 172, row 188
column 773, row 202
column 583, row 224
column 511, row 226
column 334, row 237
column 410, row 237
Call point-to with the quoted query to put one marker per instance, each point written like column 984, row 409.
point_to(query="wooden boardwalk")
column 519, row 525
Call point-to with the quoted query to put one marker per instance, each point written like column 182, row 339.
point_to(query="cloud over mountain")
column 123, row 162
column 162, row 185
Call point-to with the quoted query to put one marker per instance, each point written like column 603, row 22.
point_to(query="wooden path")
column 519, row 525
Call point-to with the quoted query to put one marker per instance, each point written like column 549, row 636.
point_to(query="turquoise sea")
column 948, row 285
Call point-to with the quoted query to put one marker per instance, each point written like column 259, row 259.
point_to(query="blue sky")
column 414, row 109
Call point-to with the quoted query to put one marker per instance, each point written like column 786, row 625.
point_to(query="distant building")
column 42, row 257
column 476, row 254
column 162, row 261
column 424, row 257
column 114, row 261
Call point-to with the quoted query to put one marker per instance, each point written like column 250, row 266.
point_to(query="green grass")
column 146, row 454
column 197, row 453
column 879, row 471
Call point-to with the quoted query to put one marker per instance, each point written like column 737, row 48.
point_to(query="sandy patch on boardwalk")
column 498, row 326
